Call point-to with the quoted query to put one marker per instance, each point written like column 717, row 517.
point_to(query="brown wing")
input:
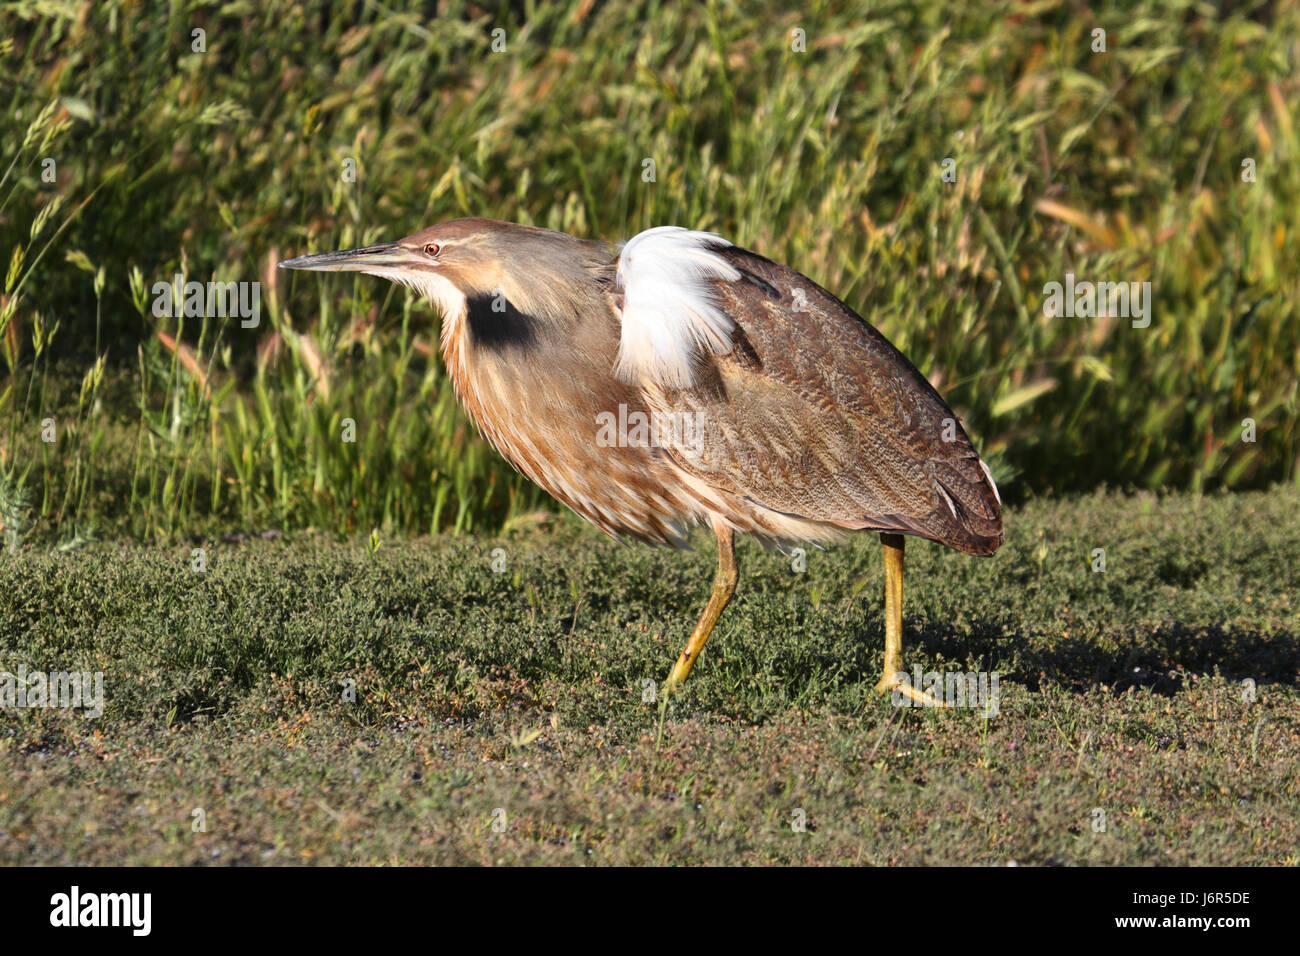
column 815, row 414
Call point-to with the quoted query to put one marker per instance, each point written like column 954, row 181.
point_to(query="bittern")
column 774, row 409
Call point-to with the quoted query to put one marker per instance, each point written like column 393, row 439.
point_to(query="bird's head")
column 464, row 263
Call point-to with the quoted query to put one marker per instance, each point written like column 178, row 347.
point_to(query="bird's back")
column 815, row 422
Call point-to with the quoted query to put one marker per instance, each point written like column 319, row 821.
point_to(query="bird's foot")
column 896, row 682
column 666, row 691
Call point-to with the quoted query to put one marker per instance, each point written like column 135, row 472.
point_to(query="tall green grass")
column 1124, row 165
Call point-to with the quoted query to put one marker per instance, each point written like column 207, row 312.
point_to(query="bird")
column 678, row 380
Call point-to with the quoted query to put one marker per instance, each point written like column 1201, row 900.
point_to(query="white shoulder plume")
column 670, row 318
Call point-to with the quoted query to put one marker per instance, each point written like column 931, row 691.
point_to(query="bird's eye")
column 432, row 249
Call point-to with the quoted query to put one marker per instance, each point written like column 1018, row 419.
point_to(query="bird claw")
column 896, row 685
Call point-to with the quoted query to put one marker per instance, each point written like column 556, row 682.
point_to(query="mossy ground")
column 516, row 698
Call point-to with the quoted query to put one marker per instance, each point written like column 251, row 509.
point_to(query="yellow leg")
column 894, row 626
column 724, row 586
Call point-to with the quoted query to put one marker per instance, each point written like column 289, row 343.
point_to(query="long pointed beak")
column 363, row 259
